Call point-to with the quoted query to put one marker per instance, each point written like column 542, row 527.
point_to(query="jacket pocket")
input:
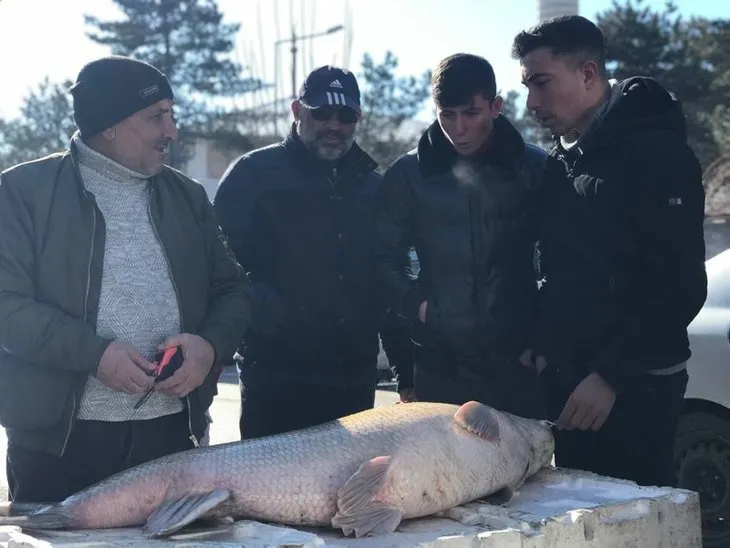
column 32, row 397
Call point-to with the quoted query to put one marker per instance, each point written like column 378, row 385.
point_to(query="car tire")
column 702, row 464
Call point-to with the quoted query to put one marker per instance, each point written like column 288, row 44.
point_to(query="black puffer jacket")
column 304, row 230
column 472, row 228
column 622, row 245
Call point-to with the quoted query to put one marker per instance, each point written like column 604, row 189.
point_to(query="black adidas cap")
column 330, row 86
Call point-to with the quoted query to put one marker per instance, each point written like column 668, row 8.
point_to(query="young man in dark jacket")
column 465, row 199
column 300, row 217
column 106, row 256
column 623, row 253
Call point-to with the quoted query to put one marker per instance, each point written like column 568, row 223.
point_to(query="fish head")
column 515, row 434
column 539, row 435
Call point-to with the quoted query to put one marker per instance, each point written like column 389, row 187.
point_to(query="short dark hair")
column 459, row 77
column 565, row 35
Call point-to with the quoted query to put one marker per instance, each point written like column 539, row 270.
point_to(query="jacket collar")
column 356, row 160
column 72, row 153
column 436, row 155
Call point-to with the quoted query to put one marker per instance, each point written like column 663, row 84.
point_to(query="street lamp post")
column 293, row 39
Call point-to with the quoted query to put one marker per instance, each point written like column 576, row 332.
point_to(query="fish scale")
column 363, row 473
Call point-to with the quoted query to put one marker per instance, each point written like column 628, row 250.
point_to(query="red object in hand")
column 166, row 363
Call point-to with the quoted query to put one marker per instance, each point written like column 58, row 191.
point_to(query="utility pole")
column 293, row 39
column 293, row 62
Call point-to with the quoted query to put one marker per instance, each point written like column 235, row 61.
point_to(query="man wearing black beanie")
column 108, row 256
column 119, row 90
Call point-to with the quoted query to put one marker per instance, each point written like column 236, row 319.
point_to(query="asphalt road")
column 225, row 412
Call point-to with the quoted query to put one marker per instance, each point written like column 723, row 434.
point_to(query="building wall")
column 554, row 8
column 207, row 164
column 209, row 160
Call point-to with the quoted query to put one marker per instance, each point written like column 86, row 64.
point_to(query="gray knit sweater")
column 138, row 304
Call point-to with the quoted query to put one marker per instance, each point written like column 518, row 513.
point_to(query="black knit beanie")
column 113, row 88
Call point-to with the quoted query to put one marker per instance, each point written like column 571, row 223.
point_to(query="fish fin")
column 359, row 511
column 523, row 478
column 500, row 498
column 174, row 514
column 8, row 509
column 505, row 495
column 478, row 419
column 47, row 518
column 364, row 485
column 373, row 519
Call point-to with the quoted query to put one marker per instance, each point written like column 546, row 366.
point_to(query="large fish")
column 363, row 474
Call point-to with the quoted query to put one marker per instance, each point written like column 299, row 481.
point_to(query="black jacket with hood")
column 472, row 225
column 622, row 242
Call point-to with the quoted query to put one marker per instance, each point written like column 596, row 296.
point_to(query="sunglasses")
column 344, row 115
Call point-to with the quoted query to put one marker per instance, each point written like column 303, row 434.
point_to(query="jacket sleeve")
column 229, row 307
column 394, row 238
column 670, row 230
column 236, row 204
column 553, row 174
column 29, row 328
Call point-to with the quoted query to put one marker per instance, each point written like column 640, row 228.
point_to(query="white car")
column 702, row 450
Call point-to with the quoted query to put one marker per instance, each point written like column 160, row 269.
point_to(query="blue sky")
column 46, row 37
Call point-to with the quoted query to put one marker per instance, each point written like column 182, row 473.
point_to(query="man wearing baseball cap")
column 106, row 257
column 300, row 218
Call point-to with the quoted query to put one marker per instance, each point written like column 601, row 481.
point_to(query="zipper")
column 337, row 176
column 571, row 163
column 192, row 437
column 347, row 168
column 578, row 156
column 86, row 309
column 70, row 422
column 91, row 256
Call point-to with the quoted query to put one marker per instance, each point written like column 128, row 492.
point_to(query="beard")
column 328, row 145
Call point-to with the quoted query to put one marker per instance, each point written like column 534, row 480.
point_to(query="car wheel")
column 702, row 464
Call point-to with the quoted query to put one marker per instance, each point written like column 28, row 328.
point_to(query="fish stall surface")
column 363, row 474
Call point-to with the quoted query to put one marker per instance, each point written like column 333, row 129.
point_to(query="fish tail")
column 10, row 509
column 47, row 518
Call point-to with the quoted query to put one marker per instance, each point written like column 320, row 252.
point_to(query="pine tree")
column 689, row 57
column 188, row 41
column 388, row 102
column 45, row 125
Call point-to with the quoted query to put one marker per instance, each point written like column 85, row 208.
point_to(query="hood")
column 436, row 155
column 642, row 104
